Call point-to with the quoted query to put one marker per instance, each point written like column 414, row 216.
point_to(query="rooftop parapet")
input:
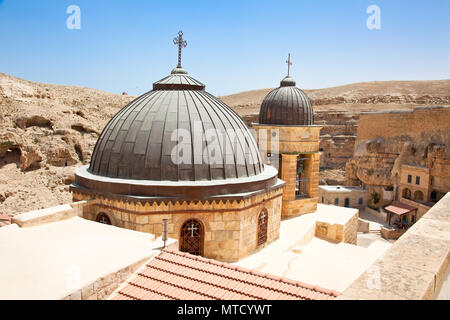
column 415, row 267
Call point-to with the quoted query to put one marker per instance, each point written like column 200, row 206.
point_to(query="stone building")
column 289, row 141
column 181, row 154
column 415, row 183
column 392, row 145
column 417, row 187
column 344, row 196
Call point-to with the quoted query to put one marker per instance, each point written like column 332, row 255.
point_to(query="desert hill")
column 337, row 109
column 357, row 97
column 47, row 130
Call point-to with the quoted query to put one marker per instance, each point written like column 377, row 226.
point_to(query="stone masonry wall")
column 292, row 142
column 350, row 230
column 353, row 196
column 102, row 288
column 336, row 232
column 229, row 226
column 388, row 140
column 415, row 266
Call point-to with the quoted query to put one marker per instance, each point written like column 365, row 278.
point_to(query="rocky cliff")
column 387, row 140
column 46, row 131
column 337, row 109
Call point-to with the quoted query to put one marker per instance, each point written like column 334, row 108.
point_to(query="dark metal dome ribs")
column 286, row 105
column 139, row 140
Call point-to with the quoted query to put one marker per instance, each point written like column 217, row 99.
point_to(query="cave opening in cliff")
column 11, row 156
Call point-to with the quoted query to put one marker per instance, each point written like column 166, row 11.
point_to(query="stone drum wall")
column 230, row 226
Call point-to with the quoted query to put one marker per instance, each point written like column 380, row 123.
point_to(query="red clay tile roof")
column 399, row 208
column 4, row 220
column 182, row 276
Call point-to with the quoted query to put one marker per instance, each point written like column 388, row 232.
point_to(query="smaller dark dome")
column 286, row 105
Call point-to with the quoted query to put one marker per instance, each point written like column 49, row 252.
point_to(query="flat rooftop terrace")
column 53, row 260
column 300, row 256
column 342, row 188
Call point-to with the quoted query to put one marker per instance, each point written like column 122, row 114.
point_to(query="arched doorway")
column 434, row 196
column 347, row 202
column 191, row 237
column 418, row 195
column 406, row 193
column 263, row 219
column 103, row 218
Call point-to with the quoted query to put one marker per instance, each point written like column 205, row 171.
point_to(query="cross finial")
column 192, row 228
column 289, row 63
column 178, row 41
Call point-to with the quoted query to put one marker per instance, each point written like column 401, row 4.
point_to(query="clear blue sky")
column 233, row 45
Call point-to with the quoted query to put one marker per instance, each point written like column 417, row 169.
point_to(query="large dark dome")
column 138, row 142
column 286, row 105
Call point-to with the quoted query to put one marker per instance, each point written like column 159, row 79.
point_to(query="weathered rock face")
column 24, row 122
column 42, row 124
column 385, row 141
column 337, row 109
column 9, row 141
column 400, row 99
column 61, row 157
column 337, row 137
column 45, row 132
column 30, row 157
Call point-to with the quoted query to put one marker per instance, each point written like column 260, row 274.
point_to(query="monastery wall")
column 337, row 137
column 415, row 266
column 292, row 142
column 295, row 208
column 421, row 208
column 396, row 123
column 290, row 139
column 230, row 227
column 327, row 196
column 101, row 286
column 52, row 214
column 391, row 234
column 387, row 141
column 344, row 229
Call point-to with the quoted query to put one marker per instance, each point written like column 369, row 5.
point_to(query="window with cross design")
column 263, row 220
column 191, row 237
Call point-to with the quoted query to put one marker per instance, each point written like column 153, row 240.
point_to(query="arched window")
column 418, row 195
column 406, row 193
column 263, row 219
column 103, row 218
column 360, row 201
column 191, row 237
column 347, row 202
column 336, row 201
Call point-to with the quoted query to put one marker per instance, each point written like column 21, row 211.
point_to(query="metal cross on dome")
column 178, row 41
column 289, row 63
column 192, row 228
